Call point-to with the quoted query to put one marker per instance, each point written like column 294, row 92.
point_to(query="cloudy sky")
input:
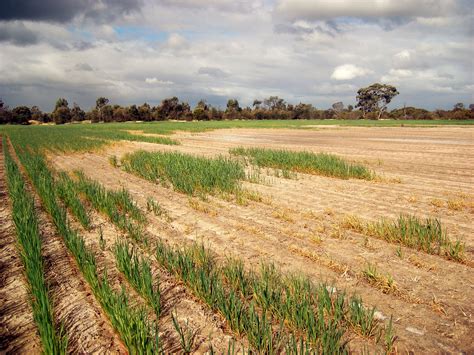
column 314, row 51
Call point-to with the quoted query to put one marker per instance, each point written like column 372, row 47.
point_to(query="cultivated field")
column 231, row 237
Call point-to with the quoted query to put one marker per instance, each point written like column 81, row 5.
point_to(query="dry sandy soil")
column 298, row 224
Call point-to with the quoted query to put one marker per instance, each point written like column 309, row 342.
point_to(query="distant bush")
column 272, row 108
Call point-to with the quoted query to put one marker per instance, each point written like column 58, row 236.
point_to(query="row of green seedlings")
column 194, row 268
column 266, row 296
column 137, row 270
column 67, row 192
column 53, row 340
column 117, row 205
column 316, row 312
column 311, row 318
column 411, row 231
column 243, row 319
column 304, row 162
column 137, row 332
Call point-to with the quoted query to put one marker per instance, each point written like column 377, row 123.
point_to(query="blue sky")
column 314, row 51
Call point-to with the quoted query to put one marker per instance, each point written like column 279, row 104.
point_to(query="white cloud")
column 224, row 5
column 176, row 41
column 348, row 72
column 327, row 9
column 156, row 81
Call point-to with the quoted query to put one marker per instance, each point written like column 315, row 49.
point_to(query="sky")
column 311, row 51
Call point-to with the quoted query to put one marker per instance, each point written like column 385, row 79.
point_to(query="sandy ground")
column 425, row 171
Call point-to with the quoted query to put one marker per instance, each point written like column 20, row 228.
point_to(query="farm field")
column 271, row 237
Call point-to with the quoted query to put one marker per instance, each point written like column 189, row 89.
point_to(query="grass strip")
column 186, row 173
column 72, row 138
column 304, row 162
column 29, row 242
column 411, row 231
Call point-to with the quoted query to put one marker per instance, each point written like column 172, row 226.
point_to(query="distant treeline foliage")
column 272, row 108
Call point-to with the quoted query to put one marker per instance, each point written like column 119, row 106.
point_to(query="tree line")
column 372, row 103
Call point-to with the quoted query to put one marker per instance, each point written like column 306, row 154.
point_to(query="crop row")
column 29, row 242
column 315, row 318
column 117, row 205
column 137, row 332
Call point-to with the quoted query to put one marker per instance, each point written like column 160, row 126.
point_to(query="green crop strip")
column 316, row 312
column 138, row 333
column 118, row 206
column 186, row 173
column 29, row 242
column 197, row 271
column 67, row 193
column 137, row 270
column 426, row 234
column 304, row 162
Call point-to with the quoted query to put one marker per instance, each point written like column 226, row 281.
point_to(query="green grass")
column 67, row 193
column 426, row 234
column 186, row 173
column 118, row 205
column 76, row 137
column 275, row 311
column 197, row 269
column 137, row 270
column 187, row 336
column 138, row 333
column 29, row 244
column 362, row 318
column 304, row 162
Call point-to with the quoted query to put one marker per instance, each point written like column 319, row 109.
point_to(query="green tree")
column 101, row 102
column 61, row 114
column 77, row 114
column 233, row 106
column 61, row 102
column 201, row 111
column 375, row 98
column 275, row 103
column 21, row 114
